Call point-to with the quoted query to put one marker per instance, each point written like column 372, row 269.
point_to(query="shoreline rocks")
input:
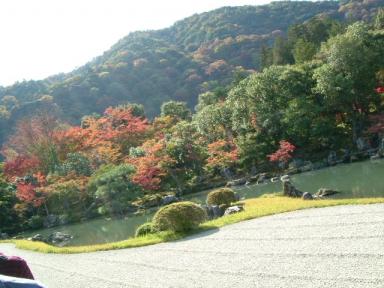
column 233, row 210
column 307, row 196
column 56, row 238
column 290, row 190
column 4, row 236
column 325, row 192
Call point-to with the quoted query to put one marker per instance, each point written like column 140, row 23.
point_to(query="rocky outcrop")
column 236, row 182
column 307, row 196
column 275, row 179
column 59, row 238
column 168, row 199
column 332, row 158
column 38, row 237
column 51, row 221
column 56, row 238
column 233, row 210
column 213, row 211
column 4, row 236
column 290, row 190
column 325, row 192
column 285, row 178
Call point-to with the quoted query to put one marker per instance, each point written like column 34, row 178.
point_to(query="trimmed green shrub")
column 221, row 196
column 178, row 217
column 144, row 229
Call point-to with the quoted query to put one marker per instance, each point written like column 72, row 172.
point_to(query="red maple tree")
column 283, row 154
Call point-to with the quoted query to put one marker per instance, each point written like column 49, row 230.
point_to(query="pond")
column 361, row 179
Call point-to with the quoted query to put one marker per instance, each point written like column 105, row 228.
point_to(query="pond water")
column 362, row 179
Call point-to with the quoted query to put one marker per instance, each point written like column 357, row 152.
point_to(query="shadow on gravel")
column 198, row 234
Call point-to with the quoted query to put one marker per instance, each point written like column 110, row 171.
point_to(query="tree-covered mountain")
column 193, row 56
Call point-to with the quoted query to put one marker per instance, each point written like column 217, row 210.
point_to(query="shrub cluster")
column 178, row 217
column 221, row 196
column 144, row 229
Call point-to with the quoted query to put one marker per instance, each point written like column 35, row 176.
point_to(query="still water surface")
column 362, row 179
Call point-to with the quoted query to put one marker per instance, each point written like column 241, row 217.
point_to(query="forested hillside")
column 193, row 56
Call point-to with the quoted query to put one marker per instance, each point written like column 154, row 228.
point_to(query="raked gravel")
column 336, row 247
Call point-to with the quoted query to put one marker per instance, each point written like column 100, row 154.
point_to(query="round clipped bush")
column 178, row 217
column 221, row 196
column 144, row 229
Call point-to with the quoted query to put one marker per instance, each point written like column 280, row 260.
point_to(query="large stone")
column 361, row 144
column 169, row 199
column 233, row 210
column 236, row 182
column 59, row 238
column 324, row 192
column 4, row 236
column 332, row 158
column 213, row 211
column 262, row 178
column 275, row 179
column 290, row 190
column 51, row 221
column 375, row 157
column 38, row 237
column 253, row 178
column 217, row 211
column 285, row 178
column 307, row 196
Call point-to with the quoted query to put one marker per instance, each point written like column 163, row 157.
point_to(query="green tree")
column 281, row 53
column 186, row 152
column 266, row 57
column 347, row 78
column 9, row 221
column 113, row 187
column 379, row 20
column 304, row 51
column 176, row 109
column 214, row 121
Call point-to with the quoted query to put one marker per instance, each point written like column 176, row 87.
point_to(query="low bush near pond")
column 144, row 229
column 179, row 217
column 221, row 196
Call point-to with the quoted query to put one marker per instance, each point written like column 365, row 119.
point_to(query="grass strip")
column 254, row 208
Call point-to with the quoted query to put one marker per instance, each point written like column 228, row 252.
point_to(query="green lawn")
column 254, row 208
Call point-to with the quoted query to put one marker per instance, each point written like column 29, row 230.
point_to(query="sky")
column 40, row 38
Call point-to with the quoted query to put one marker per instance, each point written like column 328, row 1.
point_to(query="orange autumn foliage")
column 221, row 154
column 150, row 168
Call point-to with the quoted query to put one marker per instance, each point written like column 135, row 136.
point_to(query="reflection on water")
column 363, row 179
column 99, row 230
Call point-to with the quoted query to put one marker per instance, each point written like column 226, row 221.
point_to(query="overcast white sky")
column 45, row 37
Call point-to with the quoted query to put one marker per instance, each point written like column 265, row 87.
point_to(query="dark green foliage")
column 223, row 196
column 304, row 51
column 36, row 222
column 179, row 217
column 9, row 220
column 144, row 229
column 281, row 52
column 176, row 109
column 379, row 20
column 112, row 186
column 76, row 163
